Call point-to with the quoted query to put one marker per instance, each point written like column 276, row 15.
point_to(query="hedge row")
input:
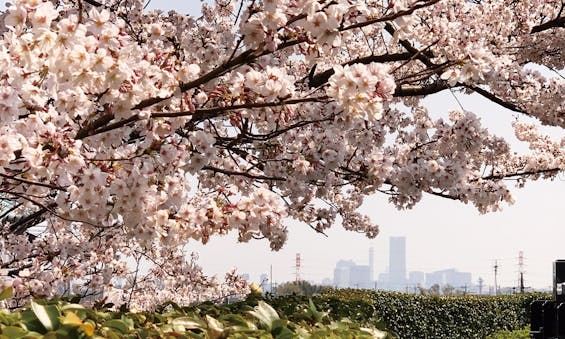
column 406, row 315
column 437, row 317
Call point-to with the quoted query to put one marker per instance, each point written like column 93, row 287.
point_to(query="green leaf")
column 236, row 320
column 314, row 313
column 185, row 323
column 13, row 332
column 282, row 332
column 7, row 293
column 48, row 315
column 117, row 325
column 31, row 323
column 71, row 307
column 265, row 313
column 214, row 325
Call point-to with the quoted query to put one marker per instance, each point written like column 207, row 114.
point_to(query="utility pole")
column 271, row 279
column 521, row 271
column 495, row 277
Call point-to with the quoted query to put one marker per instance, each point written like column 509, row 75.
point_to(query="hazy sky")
column 439, row 233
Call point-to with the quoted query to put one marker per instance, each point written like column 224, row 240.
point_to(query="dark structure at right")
column 547, row 319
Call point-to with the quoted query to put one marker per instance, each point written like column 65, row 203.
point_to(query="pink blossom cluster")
column 126, row 136
column 361, row 89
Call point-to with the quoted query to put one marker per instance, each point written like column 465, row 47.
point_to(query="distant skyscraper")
column 359, row 276
column 397, row 264
column 349, row 274
column 342, row 273
column 371, row 264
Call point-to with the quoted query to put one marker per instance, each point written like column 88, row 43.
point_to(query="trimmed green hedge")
column 408, row 315
column 437, row 317
column 334, row 314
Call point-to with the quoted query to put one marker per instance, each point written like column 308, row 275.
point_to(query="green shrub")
column 517, row 334
column 437, row 317
column 334, row 314
column 60, row 319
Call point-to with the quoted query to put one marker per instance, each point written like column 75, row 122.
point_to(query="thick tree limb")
column 492, row 97
column 555, row 23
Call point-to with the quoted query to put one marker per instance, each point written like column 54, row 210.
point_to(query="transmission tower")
column 297, row 266
column 521, row 271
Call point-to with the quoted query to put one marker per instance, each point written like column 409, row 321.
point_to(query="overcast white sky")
column 439, row 233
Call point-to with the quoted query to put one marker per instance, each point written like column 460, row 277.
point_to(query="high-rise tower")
column 397, row 263
column 371, row 265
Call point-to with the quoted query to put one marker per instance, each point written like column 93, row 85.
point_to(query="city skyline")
column 350, row 274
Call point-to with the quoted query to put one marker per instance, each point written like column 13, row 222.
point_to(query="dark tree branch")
column 421, row 90
column 243, row 174
column 200, row 114
column 22, row 224
column 29, row 182
column 94, row 3
column 520, row 174
column 492, row 97
column 320, row 79
column 558, row 22
column 392, row 16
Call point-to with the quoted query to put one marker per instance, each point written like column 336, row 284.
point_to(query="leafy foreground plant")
column 59, row 319
column 517, row 334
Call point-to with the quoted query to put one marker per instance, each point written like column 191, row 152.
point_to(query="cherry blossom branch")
column 520, row 174
column 244, row 58
column 432, row 88
column 199, row 114
column 492, row 97
column 321, row 78
column 243, row 174
column 391, row 17
column 29, row 182
column 558, row 22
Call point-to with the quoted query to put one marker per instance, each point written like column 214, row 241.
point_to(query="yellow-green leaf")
column 7, row 293
column 71, row 319
column 87, row 328
column 13, row 332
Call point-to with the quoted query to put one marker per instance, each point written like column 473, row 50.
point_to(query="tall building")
column 348, row 274
column 371, row 264
column 397, row 264
column 359, row 277
column 342, row 273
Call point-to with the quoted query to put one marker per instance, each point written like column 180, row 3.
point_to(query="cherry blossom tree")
column 126, row 134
